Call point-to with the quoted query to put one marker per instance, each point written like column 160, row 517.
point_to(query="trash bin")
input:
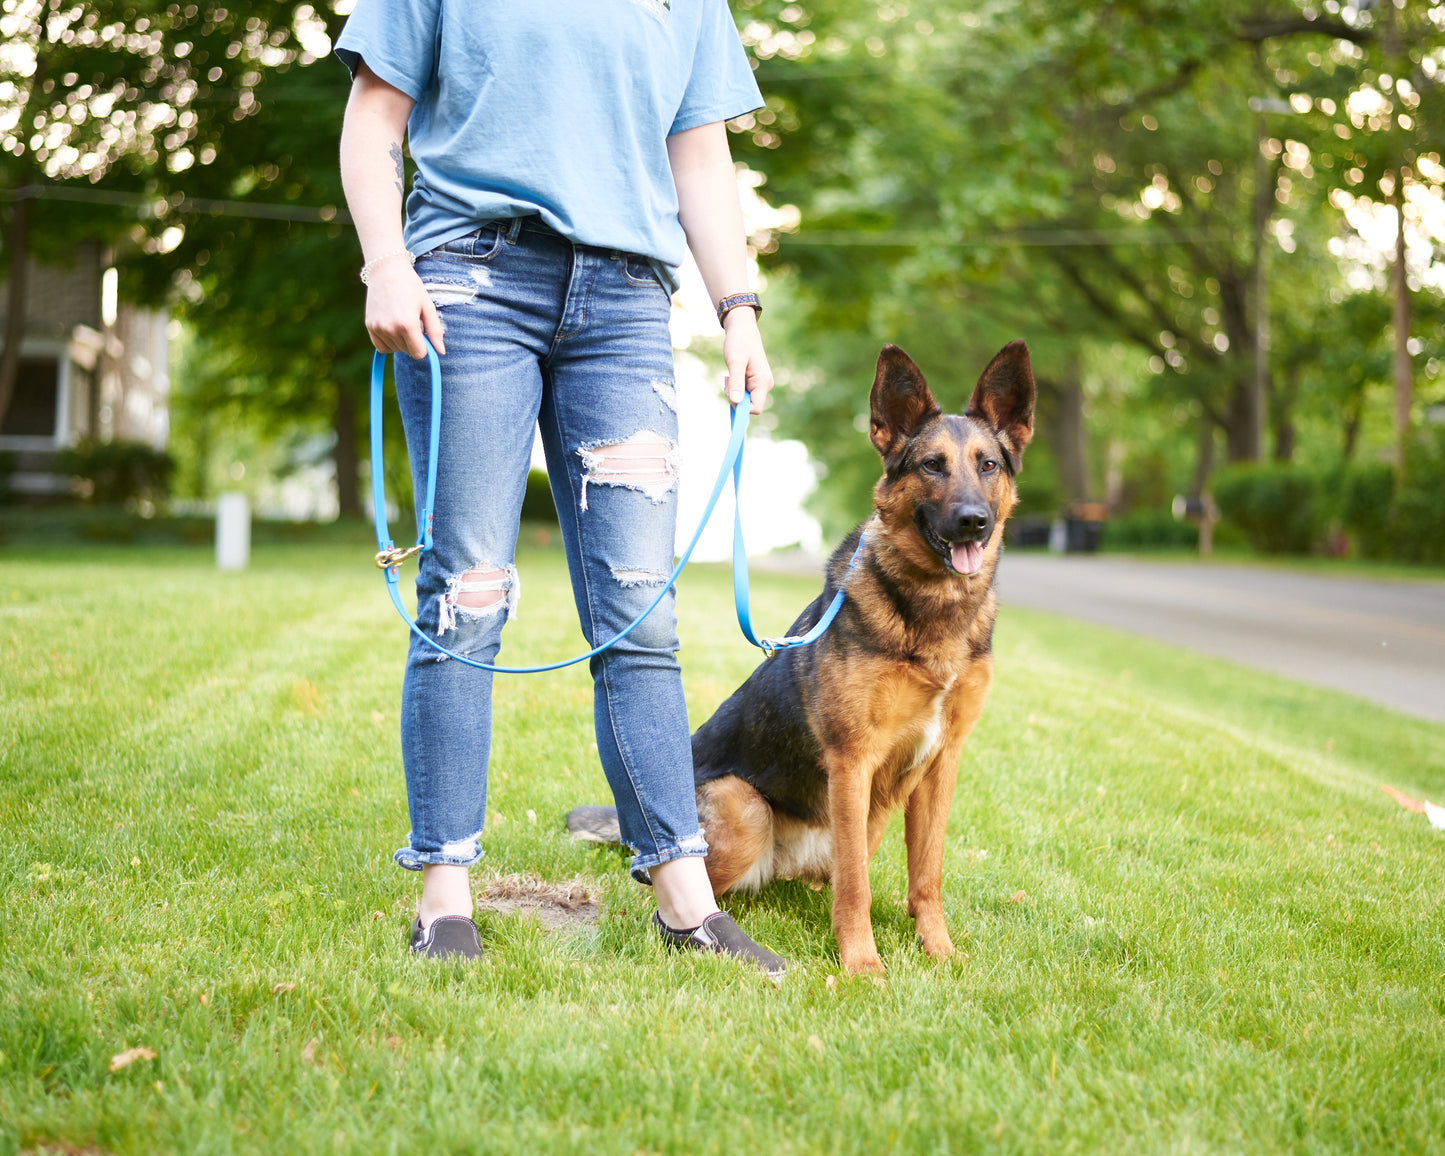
column 1084, row 527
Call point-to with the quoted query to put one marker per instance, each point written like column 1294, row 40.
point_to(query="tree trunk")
column 1253, row 443
column 15, row 307
column 348, row 490
column 1354, row 415
column 1204, row 466
column 1239, row 440
column 1404, row 386
column 1237, row 420
column 1065, row 431
column 1282, row 416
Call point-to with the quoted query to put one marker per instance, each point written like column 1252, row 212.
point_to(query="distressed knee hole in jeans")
column 646, row 462
column 480, row 592
column 626, row 578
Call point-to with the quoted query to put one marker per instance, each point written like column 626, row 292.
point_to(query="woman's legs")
column 580, row 336
column 609, row 425
column 467, row 585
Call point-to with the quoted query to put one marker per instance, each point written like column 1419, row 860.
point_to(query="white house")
column 90, row 366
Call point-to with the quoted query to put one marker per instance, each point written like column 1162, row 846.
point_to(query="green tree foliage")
column 1086, row 175
column 276, row 304
column 103, row 102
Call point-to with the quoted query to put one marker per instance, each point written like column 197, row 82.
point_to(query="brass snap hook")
column 392, row 556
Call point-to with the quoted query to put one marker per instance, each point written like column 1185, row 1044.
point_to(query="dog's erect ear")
column 900, row 403
column 1004, row 397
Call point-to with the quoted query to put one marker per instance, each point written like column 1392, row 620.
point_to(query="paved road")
column 1384, row 641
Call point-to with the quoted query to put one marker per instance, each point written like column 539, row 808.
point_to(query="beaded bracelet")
column 375, row 261
column 734, row 300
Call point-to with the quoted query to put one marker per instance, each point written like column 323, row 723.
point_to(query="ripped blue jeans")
column 576, row 340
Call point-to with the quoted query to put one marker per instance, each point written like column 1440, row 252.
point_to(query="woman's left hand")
column 747, row 363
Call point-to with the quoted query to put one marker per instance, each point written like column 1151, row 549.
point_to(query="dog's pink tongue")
column 968, row 557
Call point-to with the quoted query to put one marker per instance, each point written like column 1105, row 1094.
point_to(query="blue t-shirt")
column 559, row 108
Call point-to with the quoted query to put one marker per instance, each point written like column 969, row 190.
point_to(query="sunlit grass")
column 1189, row 919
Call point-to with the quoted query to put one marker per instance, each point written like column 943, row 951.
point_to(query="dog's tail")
column 594, row 825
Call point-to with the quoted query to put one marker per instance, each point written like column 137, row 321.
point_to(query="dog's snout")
column 970, row 521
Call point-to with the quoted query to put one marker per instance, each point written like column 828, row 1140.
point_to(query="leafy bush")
column 1417, row 515
column 119, row 471
column 1149, row 530
column 537, row 505
column 1365, row 500
column 1276, row 506
column 109, row 526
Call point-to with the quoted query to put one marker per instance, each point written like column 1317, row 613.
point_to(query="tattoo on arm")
column 395, row 153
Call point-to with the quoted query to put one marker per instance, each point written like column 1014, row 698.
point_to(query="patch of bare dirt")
column 556, row 906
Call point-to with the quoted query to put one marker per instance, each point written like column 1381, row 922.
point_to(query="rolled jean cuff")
column 693, row 846
column 459, row 853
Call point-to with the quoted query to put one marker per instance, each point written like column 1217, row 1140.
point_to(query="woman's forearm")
column 712, row 218
column 398, row 310
column 372, row 172
column 707, row 205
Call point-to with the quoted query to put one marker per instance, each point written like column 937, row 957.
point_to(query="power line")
column 917, row 239
column 179, row 203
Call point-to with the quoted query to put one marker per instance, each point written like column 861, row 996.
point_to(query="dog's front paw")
column 863, row 963
column 937, row 946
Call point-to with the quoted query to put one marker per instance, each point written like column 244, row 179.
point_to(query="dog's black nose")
column 971, row 522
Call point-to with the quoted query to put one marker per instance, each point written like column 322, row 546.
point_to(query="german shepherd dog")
column 799, row 771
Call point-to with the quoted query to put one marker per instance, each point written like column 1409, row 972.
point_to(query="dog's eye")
column 988, row 466
column 933, row 465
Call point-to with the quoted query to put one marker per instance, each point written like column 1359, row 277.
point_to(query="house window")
column 34, row 406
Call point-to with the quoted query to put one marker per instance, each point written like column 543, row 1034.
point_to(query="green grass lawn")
column 1189, row 919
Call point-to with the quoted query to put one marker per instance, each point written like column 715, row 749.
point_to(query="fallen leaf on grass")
column 392, row 1041
column 816, row 1044
column 307, row 697
column 204, row 999
column 831, row 982
column 129, row 1056
column 1018, row 896
column 1404, row 800
column 308, row 1053
column 1435, row 814
column 282, row 988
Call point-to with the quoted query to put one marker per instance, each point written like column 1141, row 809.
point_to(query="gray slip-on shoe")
column 450, row 937
column 719, row 934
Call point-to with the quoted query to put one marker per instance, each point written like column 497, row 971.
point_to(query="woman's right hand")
column 399, row 311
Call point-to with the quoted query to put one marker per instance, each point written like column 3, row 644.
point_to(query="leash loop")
column 389, row 556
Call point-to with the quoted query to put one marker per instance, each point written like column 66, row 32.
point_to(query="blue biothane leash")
column 389, row 557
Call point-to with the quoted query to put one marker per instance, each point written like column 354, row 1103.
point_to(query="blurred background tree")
column 1162, row 178
column 1216, row 224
